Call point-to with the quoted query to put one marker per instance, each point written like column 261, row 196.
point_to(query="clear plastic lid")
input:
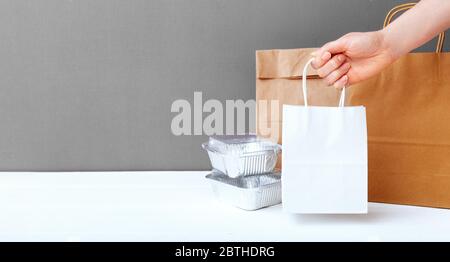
column 235, row 139
column 241, row 144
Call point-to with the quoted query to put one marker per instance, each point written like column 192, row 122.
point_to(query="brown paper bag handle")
column 305, row 91
column 403, row 7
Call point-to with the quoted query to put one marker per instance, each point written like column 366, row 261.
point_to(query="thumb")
column 329, row 50
column 337, row 46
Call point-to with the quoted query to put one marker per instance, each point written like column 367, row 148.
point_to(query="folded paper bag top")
column 324, row 157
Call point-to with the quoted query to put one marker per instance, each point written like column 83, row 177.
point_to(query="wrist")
column 387, row 44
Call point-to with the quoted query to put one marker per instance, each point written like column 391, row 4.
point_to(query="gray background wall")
column 88, row 85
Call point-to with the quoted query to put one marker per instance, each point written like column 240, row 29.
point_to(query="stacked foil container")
column 243, row 172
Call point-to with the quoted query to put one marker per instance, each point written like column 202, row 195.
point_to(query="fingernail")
column 326, row 56
column 314, row 53
column 345, row 80
column 340, row 58
column 341, row 83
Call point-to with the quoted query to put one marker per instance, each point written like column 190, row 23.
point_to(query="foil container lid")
column 247, row 182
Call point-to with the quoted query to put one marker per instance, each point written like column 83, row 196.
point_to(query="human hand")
column 352, row 58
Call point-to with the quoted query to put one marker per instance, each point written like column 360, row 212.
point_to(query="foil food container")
column 242, row 155
column 247, row 192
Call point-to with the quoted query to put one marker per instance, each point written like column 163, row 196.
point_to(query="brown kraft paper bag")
column 408, row 118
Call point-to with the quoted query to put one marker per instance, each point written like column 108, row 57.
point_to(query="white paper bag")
column 324, row 158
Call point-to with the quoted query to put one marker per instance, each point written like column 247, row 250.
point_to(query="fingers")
column 327, row 51
column 337, row 74
column 321, row 57
column 341, row 83
column 333, row 64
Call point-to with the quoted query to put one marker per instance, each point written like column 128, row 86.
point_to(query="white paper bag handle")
column 305, row 94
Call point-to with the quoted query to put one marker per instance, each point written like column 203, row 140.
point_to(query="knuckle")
column 316, row 64
column 334, row 63
column 343, row 69
column 329, row 80
column 335, row 75
column 320, row 72
column 340, row 59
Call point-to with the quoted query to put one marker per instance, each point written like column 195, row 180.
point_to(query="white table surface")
column 179, row 206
